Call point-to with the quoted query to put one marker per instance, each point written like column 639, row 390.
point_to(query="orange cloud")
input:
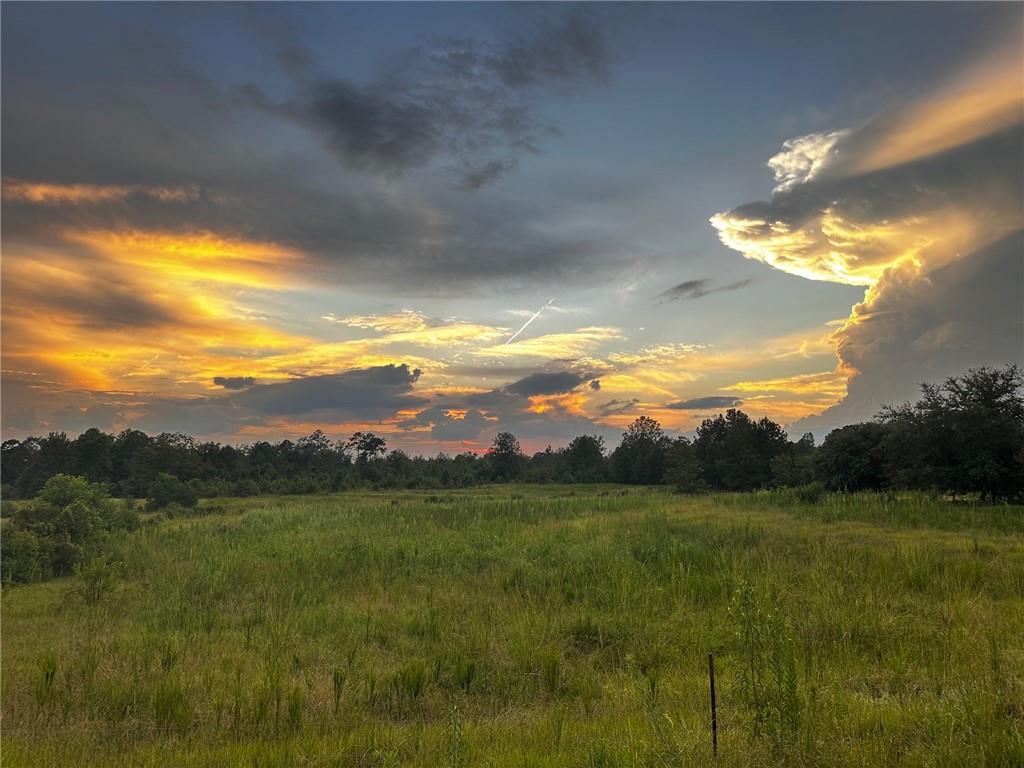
column 573, row 344
column 987, row 98
column 828, row 385
column 41, row 193
column 198, row 257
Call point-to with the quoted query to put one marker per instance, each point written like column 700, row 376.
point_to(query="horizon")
column 440, row 222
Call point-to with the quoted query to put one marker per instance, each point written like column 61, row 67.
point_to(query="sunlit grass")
column 541, row 626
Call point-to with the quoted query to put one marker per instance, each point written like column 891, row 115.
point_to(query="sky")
column 440, row 221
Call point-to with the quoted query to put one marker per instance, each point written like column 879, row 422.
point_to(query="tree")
column 66, row 522
column 366, row 446
column 852, row 458
column 547, row 466
column 640, row 456
column 795, row 465
column 963, row 436
column 736, row 452
column 128, row 463
column 505, row 458
column 167, row 490
column 93, row 455
column 584, row 459
column 682, row 468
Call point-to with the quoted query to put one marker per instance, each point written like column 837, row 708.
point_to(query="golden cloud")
column 41, row 193
column 555, row 345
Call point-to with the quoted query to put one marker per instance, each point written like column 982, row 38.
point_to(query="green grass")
column 532, row 626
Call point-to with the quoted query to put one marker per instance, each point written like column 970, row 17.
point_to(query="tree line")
column 964, row 436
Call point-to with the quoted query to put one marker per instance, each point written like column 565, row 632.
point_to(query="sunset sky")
column 247, row 222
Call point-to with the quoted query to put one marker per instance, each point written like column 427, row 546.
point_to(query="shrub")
column 768, row 677
column 98, row 576
column 22, row 556
column 62, row 490
column 811, row 493
column 167, row 490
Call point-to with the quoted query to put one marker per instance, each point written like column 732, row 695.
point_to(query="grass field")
column 532, row 626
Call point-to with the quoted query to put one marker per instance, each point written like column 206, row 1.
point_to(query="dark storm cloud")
column 370, row 129
column 966, row 314
column 700, row 403
column 546, row 384
column 508, row 408
column 234, row 382
column 695, row 289
column 614, row 407
column 488, row 172
column 444, row 426
column 572, row 47
column 154, row 121
column 368, row 393
column 462, row 98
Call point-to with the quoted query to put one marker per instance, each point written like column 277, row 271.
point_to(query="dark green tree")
column 167, row 490
column 794, row 466
column 366, row 446
column 505, row 458
column 852, row 458
column 640, row 456
column 584, row 460
column 93, row 458
column 736, row 452
column 682, row 468
column 963, row 436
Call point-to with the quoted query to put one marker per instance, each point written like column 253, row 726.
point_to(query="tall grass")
column 554, row 626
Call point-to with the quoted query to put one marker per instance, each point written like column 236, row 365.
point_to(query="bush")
column 63, row 490
column 811, row 493
column 69, row 520
column 99, row 576
column 167, row 490
column 22, row 559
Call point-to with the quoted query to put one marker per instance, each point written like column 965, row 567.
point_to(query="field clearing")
column 533, row 626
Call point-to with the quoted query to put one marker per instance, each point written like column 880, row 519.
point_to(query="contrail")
column 535, row 316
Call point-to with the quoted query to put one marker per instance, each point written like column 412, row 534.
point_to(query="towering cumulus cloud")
column 922, row 207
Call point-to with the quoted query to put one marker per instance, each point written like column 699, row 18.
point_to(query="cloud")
column 38, row 193
column 458, row 98
column 193, row 155
column 475, row 177
column 696, row 289
column 76, row 420
column 369, row 393
column 922, row 206
column 449, row 425
column 829, row 384
column 616, row 407
column 700, row 403
column 570, row 345
column 923, row 328
column 93, row 299
column 572, row 47
column 234, row 382
column 546, row 384
column 803, row 158
column 542, row 407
